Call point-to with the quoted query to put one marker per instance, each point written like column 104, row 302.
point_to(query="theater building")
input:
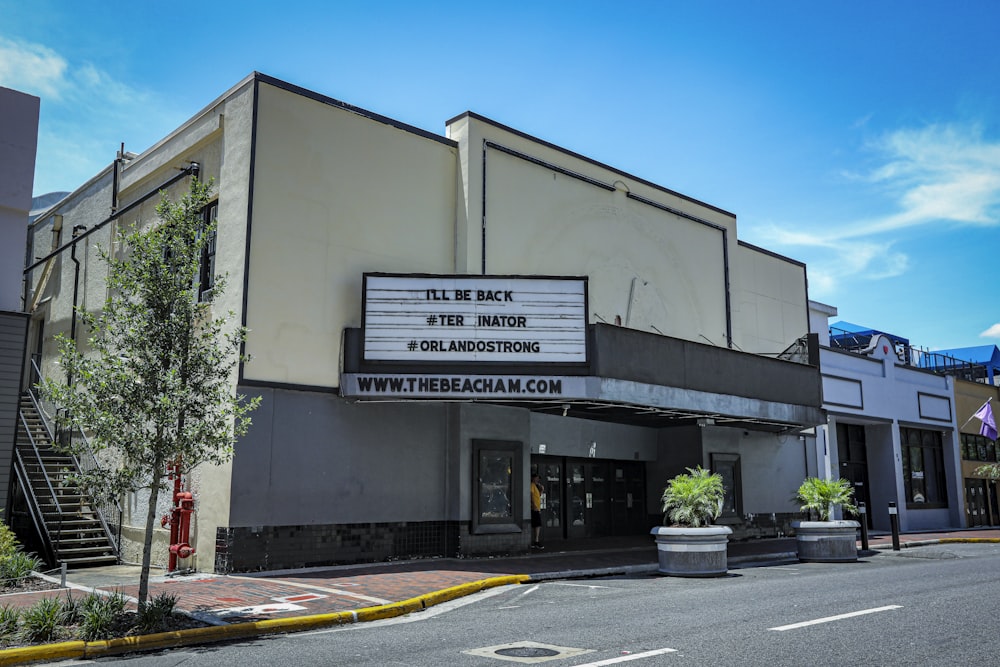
column 434, row 316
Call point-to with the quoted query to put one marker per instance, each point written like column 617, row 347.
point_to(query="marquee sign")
column 475, row 318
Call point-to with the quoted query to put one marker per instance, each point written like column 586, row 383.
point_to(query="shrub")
column 17, row 566
column 40, row 621
column 99, row 614
column 8, row 541
column 9, row 617
column 158, row 610
column 693, row 499
column 822, row 495
column 71, row 610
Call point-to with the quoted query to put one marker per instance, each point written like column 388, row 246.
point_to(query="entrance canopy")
column 631, row 377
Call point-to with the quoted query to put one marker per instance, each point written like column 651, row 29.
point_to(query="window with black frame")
column 978, row 448
column 497, row 502
column 206, row 271
column 923, row 468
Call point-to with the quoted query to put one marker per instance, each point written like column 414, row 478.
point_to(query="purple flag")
column 989, row 427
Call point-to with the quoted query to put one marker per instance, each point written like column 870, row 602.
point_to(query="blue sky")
column 862, row 138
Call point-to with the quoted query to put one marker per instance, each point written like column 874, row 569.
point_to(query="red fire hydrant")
column 179, row 520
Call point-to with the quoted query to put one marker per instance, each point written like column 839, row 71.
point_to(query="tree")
column 155, row 388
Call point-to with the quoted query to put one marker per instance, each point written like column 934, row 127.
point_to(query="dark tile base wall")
column 254, row 548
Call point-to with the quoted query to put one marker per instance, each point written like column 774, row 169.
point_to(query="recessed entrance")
column 591, row 497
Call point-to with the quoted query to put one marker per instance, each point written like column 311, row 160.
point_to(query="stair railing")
column 29, row 489
column 104, row 505
column 86, row 462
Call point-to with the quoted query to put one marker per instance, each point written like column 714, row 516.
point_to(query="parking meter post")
column 863, row 515
column 894, row 522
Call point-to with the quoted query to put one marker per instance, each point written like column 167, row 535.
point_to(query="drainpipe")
column 77, row 230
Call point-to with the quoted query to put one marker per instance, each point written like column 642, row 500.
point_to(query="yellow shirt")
column 536, row 498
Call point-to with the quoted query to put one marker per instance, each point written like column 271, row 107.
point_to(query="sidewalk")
column 295, row 599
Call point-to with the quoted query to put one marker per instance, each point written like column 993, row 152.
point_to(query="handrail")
column 93, row 464
column 98, row 501
column 33, row 509
column 48, row 482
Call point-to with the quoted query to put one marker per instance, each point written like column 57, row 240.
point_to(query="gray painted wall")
column 635, row 355
column 313, row 458
column 677, row 449
column 13, row 332
column 565, row 436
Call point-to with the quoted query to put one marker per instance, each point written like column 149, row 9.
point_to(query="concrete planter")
column 826, row 541
column 692, row 552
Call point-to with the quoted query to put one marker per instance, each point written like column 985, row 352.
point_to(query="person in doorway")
column 536, row 512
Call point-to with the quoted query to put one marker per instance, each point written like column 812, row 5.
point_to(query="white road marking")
column 430, row 612
column 258, row 609
column 335, row 591
column 629, row 657
column 562, row 583
column 530, row 590
column 838, row 617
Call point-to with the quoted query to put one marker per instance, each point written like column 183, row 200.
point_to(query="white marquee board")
column 475, row 318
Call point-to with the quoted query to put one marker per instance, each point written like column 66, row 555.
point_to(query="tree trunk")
column 147, row 544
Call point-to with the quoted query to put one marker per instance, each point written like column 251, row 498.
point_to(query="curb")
column 96, row 649
column 942, row 540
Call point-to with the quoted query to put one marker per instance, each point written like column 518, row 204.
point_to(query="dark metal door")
column 854, row 462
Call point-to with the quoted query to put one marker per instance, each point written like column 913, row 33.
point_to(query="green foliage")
column 98, row 615
column 159, row 609
column 72, row 609
column 8, row 541
column 18, row 565
column 822, row 495
column 155, row 386
column 989, row 470
column 41, row 621
column 9, row 618
column 693, row 499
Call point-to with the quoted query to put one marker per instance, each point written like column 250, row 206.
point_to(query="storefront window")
column 978, row 448
column 923, row 468
column 497, row 496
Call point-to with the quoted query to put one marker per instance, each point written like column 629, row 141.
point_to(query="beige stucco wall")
column 657, row 270
column 218, row 139
column 770, row 301
column 335, row 194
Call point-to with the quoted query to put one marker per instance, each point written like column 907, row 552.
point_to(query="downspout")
column 77, row 230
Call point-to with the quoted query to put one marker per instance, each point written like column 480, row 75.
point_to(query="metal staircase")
column 69, row 522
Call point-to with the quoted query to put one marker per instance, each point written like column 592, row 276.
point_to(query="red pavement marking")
column 300, row 598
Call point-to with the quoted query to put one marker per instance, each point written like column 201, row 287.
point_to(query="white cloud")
column 992, row 332
column 85, row 113
column 32, row 68
column 939, row 173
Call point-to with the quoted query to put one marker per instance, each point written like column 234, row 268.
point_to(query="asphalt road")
column 933, row 605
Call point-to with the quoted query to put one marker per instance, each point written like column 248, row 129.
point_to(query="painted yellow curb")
column 47, row 652
column 96, row 649
column 973, row 540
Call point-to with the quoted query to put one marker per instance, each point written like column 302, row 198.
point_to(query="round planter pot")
column 692, row 552
column 826, row 541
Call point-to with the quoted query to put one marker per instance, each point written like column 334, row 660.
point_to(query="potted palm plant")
column 687, row 544
column 826, row 540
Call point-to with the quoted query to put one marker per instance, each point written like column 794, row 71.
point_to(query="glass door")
column 576, row 499
column 598, row 499
column 975, row 502
column 550, row 472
